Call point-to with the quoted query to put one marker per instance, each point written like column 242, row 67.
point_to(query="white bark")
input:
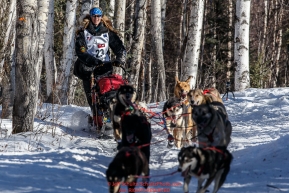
column 95, row 3
column 111, row 9
column 163, row 13
column 190, row 64
column 229, row 64
column 119, row 22
column 138, row 43
column 10, row 25
column 50, row 65
column 26, row 67
column 86, row 6
column 158, row 44
column 119, row 16
column 68, row 51
column 242, row 78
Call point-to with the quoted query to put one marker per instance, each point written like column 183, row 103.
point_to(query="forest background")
column 37, row 47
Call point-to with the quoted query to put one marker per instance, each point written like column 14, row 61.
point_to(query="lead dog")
column 199, row 96
column 213, row 125
column 128, row 163
column 181, row 91
column 175, row 122
column 212, row 163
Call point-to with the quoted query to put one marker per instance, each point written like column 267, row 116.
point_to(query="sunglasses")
column 96, row 15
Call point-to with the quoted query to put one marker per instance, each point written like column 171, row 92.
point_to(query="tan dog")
column 199, row 96
column 181, row 91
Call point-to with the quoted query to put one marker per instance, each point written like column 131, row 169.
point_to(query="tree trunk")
column 111, row 9
column 95, row 3
column 163, row 16
column 149, row 81
column 26, row 67
column 137, row 46
column 190, row 65
column 242, row 78
column 158, row 45
column 8, row 76
column 229, row 63
column 10, row 25
column 68, row 51
column 119, row 20
column 50, row 65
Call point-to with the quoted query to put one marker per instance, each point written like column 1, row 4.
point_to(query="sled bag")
column 110, row 83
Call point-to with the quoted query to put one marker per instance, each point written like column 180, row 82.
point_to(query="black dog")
column 210, row 163
column 127, row 165
column 125, row 96
column 136, row 131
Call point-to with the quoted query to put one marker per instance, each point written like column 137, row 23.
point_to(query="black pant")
column 87, row 90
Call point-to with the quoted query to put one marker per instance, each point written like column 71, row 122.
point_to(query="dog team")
column 196, row 122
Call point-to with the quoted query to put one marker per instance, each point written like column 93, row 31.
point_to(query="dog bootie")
column 170, row 141
column 90, row 121
column 146, row 182
column 119, row 145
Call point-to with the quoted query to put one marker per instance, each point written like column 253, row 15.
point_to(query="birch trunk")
column 119, row 20
column 163, row 13
column 95, row 3
column 8, row 79
column 26, row 67
column 8, row 28
column 138, row 43
column 149, row 81
column 68, row 51
column 86, row 6
column 279, row 34
column 229, row 64
column 111, row 9
column 190, row 65
column 158, row 45
column 50, row 65
column 242, row 78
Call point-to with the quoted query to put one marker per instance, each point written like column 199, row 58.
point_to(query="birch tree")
column 26, row 67
column 158, row 46
column 119, row 21
column 190, row 64
column 95, row 3
column 229, row 64
column 138, row 43
column 241, row 55
column 68, row 51
column 50, row 65
column 8, row 81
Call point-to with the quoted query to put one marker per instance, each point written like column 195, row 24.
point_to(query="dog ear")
column 208, row 98
column 177, row 79
column 189, row 79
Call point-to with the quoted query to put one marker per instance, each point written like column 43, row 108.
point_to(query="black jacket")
column 85, row 62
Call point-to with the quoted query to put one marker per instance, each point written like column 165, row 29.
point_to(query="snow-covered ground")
column 60, row 157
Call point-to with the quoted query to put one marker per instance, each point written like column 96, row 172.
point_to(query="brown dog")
column 199, row 96
column 181, row 91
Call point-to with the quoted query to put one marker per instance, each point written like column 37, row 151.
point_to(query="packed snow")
column 62, row 155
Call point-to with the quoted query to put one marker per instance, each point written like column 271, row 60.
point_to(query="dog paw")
column 119, row 145
column 145, row 182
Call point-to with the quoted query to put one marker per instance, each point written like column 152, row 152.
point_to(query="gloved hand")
column 117, row 63
column 103, row 68
column 97, row 62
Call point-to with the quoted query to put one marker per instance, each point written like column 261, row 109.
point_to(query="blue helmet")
column 95, row 11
